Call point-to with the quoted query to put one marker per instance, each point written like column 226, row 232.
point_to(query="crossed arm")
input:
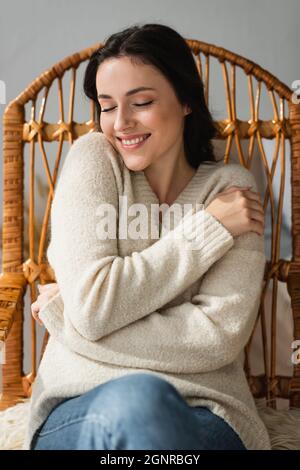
column 101, row 291
column 99, row 314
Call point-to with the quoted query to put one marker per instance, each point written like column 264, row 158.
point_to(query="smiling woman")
column 139, row 124
column 147, row 336
column 135, row 84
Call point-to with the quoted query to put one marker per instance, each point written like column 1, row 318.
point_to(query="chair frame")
column 17, row 274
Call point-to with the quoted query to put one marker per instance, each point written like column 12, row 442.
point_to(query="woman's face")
column 156, row 112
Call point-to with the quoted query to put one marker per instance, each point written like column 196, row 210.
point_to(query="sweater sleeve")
column 102, row 292
column 206, row 333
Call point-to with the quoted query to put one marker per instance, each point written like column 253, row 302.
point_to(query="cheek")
column 104, row 124
column 166, row 120
column 155, row 119
column 111, row 140
column 108, row 130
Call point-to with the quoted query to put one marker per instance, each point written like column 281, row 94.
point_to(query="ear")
column 187, row 110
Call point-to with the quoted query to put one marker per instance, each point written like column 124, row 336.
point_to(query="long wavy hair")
column 164, row 48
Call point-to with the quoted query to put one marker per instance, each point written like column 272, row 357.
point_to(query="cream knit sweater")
column 155, row 305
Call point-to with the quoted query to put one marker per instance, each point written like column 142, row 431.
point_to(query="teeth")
column 134, row 141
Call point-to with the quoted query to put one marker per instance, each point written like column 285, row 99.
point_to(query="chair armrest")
column 12, row 290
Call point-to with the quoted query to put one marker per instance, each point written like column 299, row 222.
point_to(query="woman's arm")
column 101, row 291
column 198, row 336
column 207, row 333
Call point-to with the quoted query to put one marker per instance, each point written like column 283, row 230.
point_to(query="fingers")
column 255, row 206
column 249, row 207
column 35, row 313
column 256, row 227
column 255, row 220
column 258, row 216
column 246, row 191
column 44, row 290
column 252, row 195
column 254, row 211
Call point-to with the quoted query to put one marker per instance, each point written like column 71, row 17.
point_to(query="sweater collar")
column 186, row 195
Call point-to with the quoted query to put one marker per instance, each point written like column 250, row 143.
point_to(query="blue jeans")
column 136, row 411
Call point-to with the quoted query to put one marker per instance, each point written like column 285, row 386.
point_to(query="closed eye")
column 135, row 104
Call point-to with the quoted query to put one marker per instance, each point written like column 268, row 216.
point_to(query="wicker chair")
column 21, row 271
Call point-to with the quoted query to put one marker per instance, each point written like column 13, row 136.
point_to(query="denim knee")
column 138, row 393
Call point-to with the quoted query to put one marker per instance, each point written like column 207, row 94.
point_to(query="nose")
column 123, row 119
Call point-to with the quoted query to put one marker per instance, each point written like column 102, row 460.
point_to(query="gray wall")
column 37, row 33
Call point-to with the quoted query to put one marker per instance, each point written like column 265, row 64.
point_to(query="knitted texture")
column 181, row 305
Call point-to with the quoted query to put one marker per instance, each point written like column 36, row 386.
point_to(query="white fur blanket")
column 283, row 426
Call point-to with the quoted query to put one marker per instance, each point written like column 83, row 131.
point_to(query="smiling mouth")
column 133, row 146
column 147, row 135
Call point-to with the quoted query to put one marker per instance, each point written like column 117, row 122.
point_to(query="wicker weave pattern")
column 20, row 272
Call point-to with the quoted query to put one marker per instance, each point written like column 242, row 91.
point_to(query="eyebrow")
column 130, row 92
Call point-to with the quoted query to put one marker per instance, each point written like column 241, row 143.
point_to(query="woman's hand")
column 239, row 210
column 47, row 291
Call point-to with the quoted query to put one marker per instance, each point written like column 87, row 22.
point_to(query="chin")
column 135, row 168
column 138, row 166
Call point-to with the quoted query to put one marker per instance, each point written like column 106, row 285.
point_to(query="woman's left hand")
column 47, row 291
